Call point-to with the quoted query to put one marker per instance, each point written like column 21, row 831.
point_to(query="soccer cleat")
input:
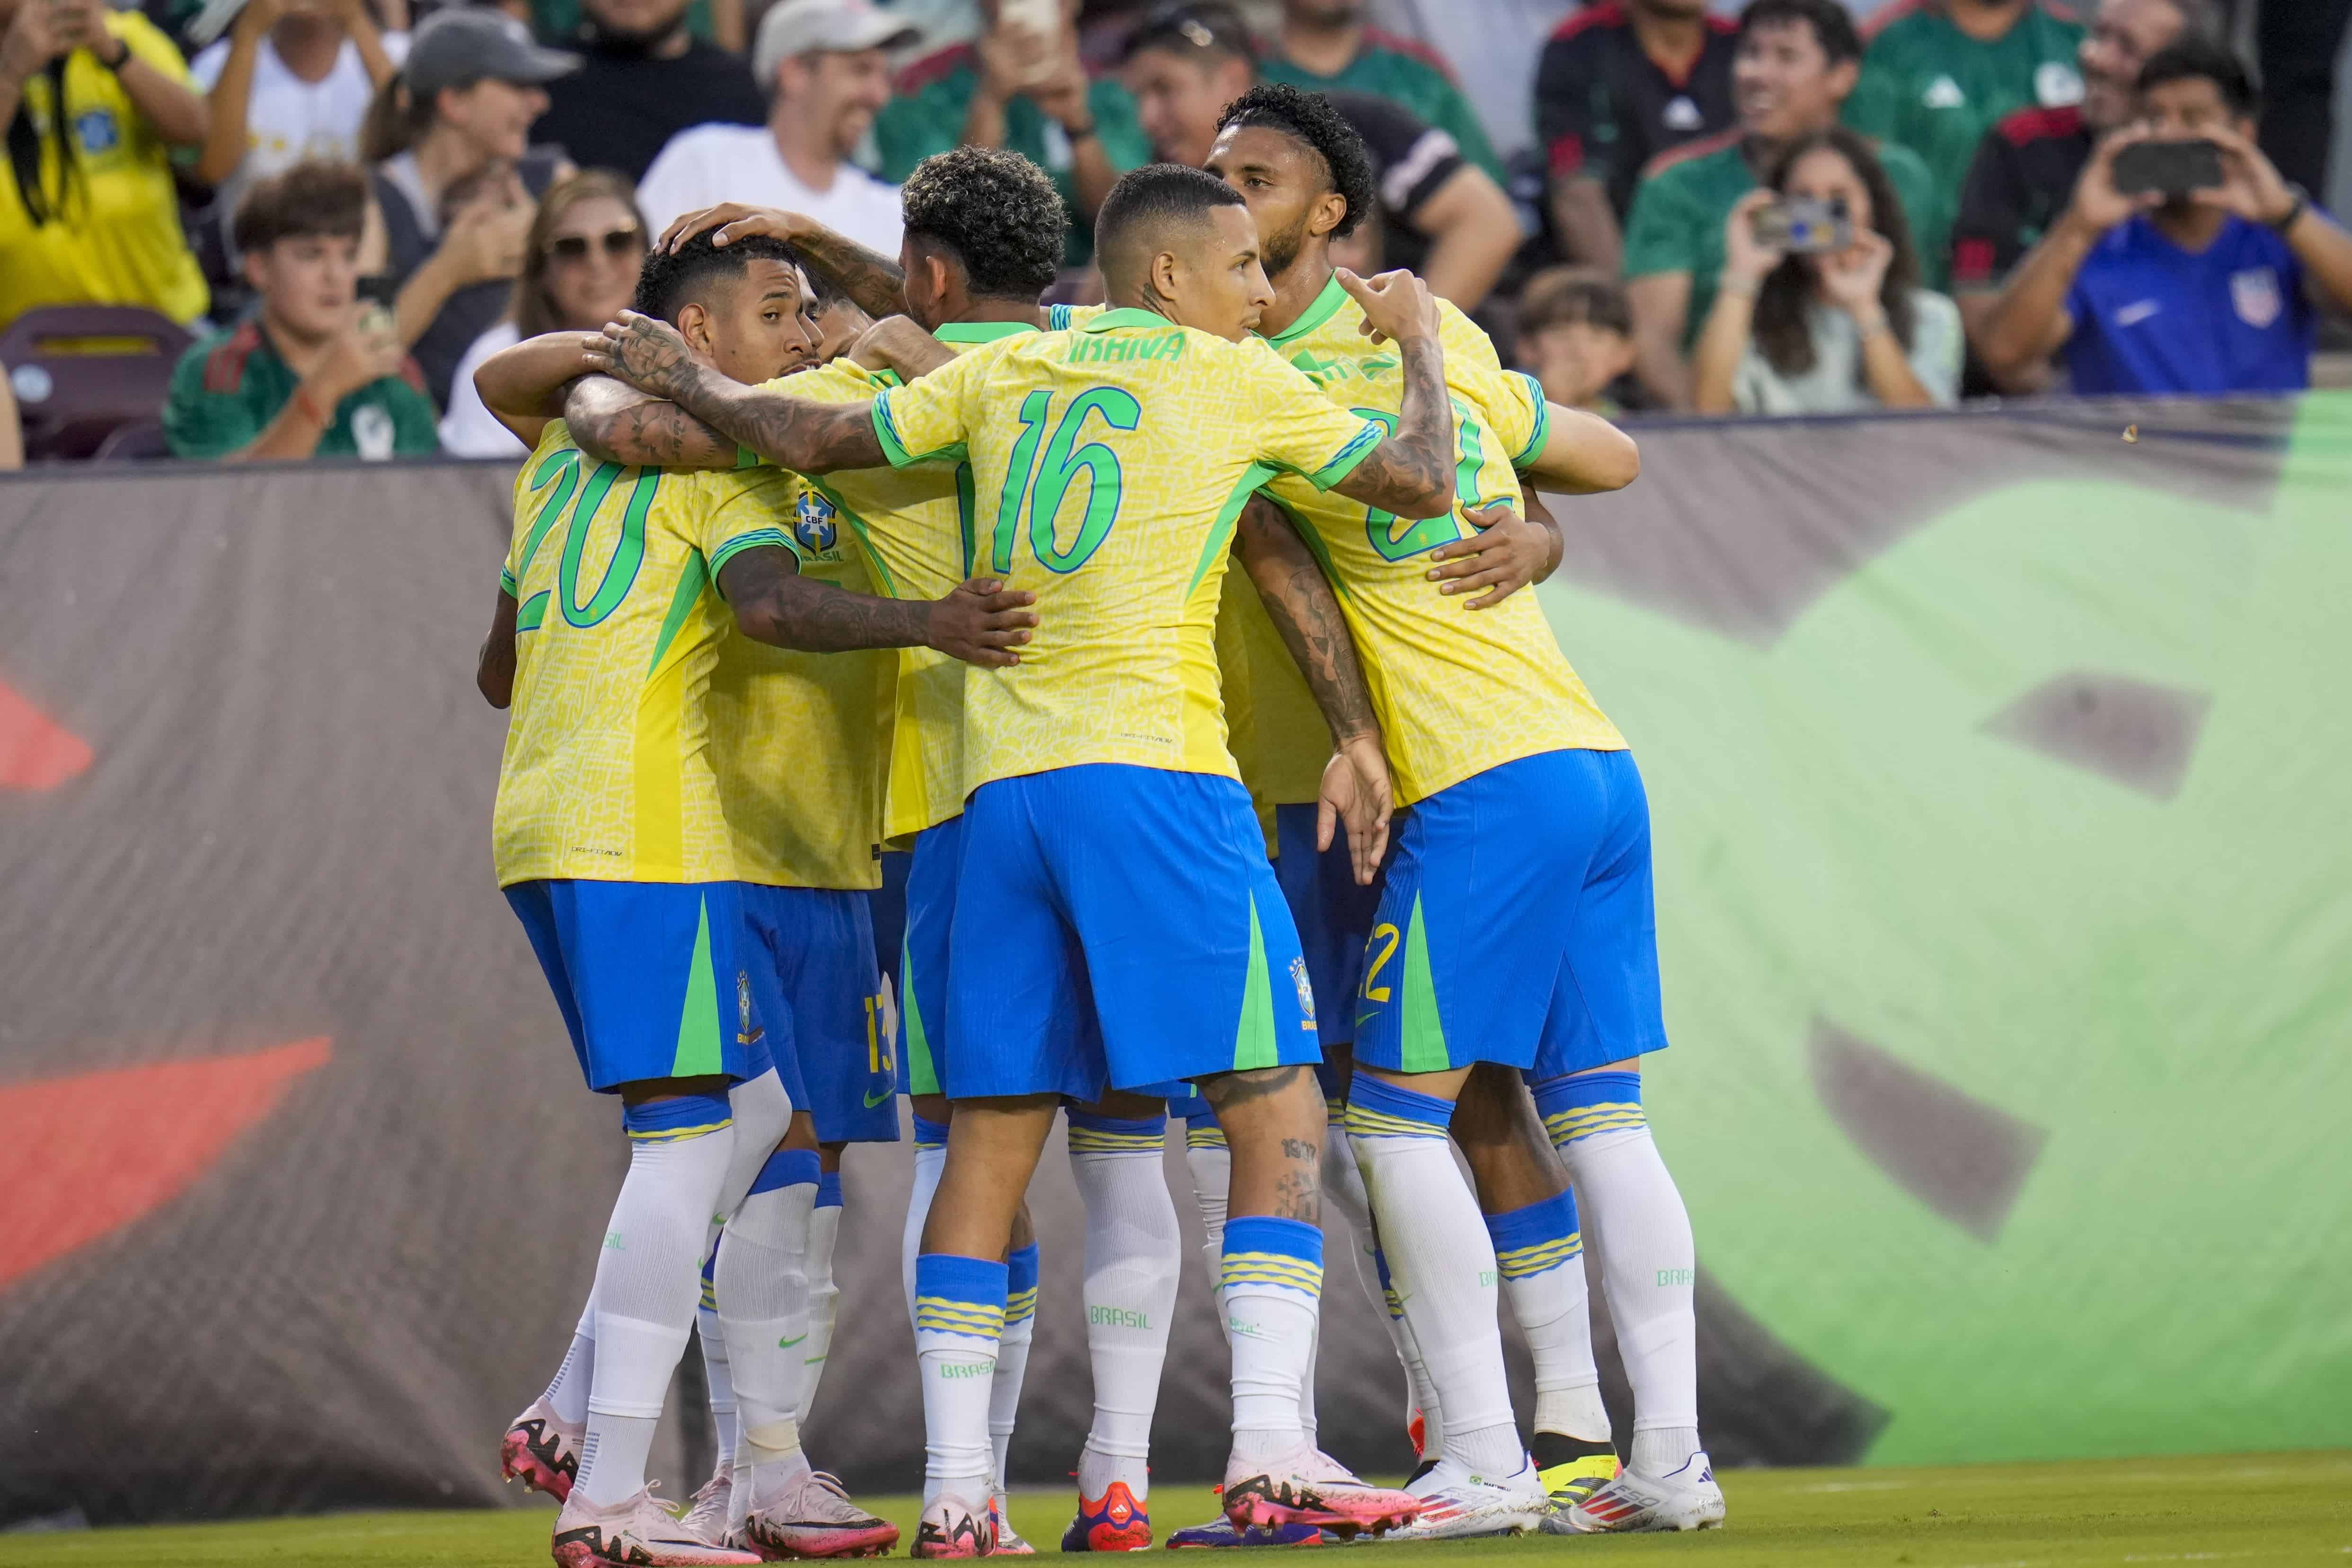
column 1306, row 1485
column 1418, row 1430
column 815, row 1518
column 542, row 1451
column 1571, row 1469
column 951, row 1527
column 1114, row 1522
column 1686, row 1500
column 704, row 1518
column 1458, row 1506
column 636, row 1532
column 1009, row 1540
column 1221, row 1532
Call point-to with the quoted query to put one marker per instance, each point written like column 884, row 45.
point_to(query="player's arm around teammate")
column 867, row 277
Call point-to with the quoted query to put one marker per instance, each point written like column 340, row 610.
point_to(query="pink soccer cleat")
column 1306, row 1485
column 542, row 1451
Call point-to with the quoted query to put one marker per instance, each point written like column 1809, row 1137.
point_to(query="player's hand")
column 1747, row 259
column 1506, row 553
column 895, row 343
column 1355, row 792
column 735, row 221
column 981, row 623
column 2251, row 186
column 644, row 351
column 2096, row 205
column 1396, row 305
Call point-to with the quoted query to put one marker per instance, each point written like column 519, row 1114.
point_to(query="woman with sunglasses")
column 579, row 270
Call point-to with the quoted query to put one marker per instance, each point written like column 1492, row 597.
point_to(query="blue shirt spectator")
column 2151, row 315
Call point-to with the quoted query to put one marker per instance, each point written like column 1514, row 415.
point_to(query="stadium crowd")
column 336, row 209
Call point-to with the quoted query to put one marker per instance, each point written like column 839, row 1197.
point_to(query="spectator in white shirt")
column 580, row 269
column 290, row 84
column 824, row 65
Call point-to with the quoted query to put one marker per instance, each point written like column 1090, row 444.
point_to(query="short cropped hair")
column 312, row 198
column 995, row 212
column 1157, row 192
column 1832, row 23
column 1574, row 295
column 674, row 279
column 2217, row 63
column 1308, row 117
column 1207, row 29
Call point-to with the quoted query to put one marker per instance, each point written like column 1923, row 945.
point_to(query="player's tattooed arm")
column 1409, row 473
column 523, row 384
column 494, row 668
column 794, row 433
column 872, row 280
column 614, row 423
column 978, row 621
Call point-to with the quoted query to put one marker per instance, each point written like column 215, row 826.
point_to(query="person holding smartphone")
column 2184, row 263
column 1819, row 309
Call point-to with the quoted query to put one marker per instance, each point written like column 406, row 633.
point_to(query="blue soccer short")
column 1517, row 925
column 889, row 902
column 1138, row 896
column 808, row 958
column 1334, row 915
column 931, row 894
column 644, row 974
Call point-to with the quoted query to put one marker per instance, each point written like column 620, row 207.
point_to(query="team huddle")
column 1134, row 623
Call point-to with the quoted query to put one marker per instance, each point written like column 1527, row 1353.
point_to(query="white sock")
column 762, row 1109
column 823, row 1295
column 716, row 1373
column 1541, row 1256
column 959, row 1324
column 648, row 1278
column 1272, row 1281
column 931, row 1159
column 1442, row 1264
column 568, row 1390
column 1634, row 1217
column 1211, row 1162
column 1343, row 1195
column 764, row 1310
column 1011, row 1355
column 1134, row 1256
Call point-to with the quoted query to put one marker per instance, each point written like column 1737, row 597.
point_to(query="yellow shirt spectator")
column 111, row 234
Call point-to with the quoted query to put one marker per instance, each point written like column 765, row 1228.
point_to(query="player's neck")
column 1026, row 312
column 1322, row 49
column 1298, row 287
column 1673, row 43
column 1985, row 20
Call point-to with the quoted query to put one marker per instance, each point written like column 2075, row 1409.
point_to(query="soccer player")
column 613, row 845
column 1482, row 716
column 1111, row 861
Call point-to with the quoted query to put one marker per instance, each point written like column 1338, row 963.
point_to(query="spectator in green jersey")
column 1941, row 73
column 1324, row 46
column 1011, row 88
column 314, row 371
column 1797, row 61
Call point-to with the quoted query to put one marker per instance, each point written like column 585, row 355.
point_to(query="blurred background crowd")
column 257, row 229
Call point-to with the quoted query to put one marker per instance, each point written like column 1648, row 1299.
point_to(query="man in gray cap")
column 824, row 65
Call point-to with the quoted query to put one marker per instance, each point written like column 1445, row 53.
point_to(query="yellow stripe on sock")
column 674, row 1134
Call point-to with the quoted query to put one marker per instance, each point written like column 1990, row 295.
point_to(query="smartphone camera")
column 1804, row 226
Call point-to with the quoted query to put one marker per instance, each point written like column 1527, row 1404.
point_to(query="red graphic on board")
column 90, row 1153
column 36, row 752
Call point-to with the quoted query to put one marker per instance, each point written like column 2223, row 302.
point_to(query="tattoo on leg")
column 1232, row 1090
column 1301, row 1149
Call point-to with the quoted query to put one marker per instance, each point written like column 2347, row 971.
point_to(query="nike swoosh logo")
column 1363, row 1019
column 788, row 1343
column 887, row 1096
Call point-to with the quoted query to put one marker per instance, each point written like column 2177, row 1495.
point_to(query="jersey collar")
column 980, row 331
column 1315, row 315
column 1125, row 318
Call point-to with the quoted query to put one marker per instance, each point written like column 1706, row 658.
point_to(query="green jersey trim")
column 1325, row 304
column 1542, row 433
column 1344, row 462
column 1221, row 533
column 857, row 526
column 690, row 583
column 981, row 331
column 743, row 541
column 1128, row 320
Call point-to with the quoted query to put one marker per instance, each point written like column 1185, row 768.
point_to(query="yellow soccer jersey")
column 1287, row 742
column 1109, row 465
column 914, row 525
column 607, row 774
column 1458, row 691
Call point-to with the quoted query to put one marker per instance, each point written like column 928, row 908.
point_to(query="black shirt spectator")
column 1605, row 104
column 2022, row 178
column 643, row 79
column 1411, row 160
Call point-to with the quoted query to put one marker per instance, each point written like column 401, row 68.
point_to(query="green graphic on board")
column 2005, row 907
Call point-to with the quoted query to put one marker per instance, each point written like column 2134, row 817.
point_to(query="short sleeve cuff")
column 752, row 539
column 747, row 458
column 1343, row 462
column 888, row 430
column 1541, row 432
column 506, row 582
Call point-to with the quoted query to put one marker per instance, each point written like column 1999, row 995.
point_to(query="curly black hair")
column 995, row 212
column 1308, row 117
column 673, row 278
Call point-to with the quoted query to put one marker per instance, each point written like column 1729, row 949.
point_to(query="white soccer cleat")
column 1456, row 1505
column 705, row 1516
column 541, row 1450
column 815, row 1518
column 1307, row 1486
column 1009, row 1540
column 636, row 1532
column 955, row 1526
column 1686, row 1500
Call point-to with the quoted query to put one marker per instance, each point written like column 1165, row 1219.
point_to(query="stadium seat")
column 133, row 443
column 79, row 371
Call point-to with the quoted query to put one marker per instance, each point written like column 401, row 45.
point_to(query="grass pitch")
column 2241, row 1509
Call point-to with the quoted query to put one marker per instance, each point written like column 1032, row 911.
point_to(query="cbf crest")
column 1306, row 992
column 813, row 523
column 746, row 1032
